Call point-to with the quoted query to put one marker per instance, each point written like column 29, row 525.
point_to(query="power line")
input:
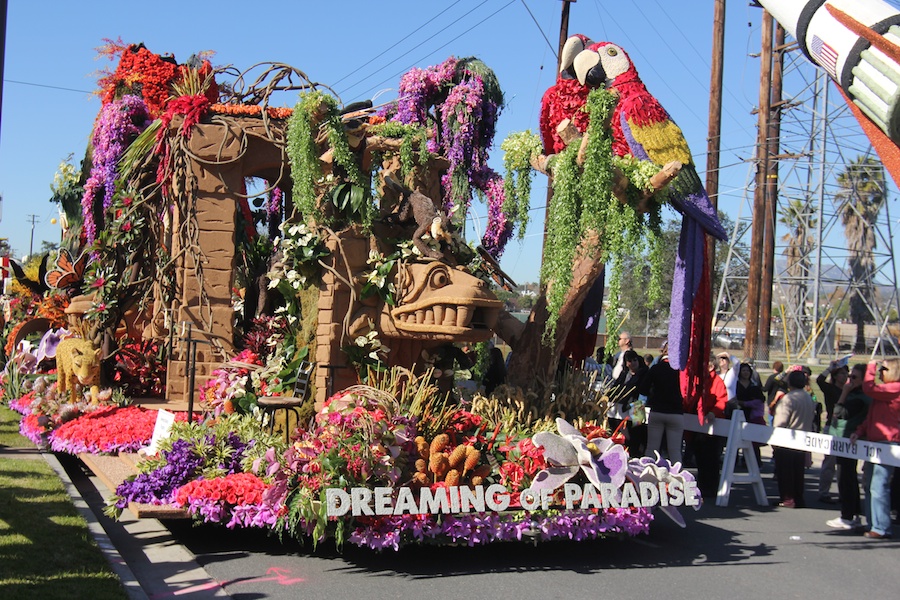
column 400, row 41
column 410, row 51
column 42, row 85
column 544, row 35
column 401, row 72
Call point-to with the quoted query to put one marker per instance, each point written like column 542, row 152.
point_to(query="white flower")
column 601, row 460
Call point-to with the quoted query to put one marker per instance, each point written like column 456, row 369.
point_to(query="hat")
column 723, row 355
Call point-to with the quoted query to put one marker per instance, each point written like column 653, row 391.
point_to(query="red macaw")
column 564, row 99
column 642, row 128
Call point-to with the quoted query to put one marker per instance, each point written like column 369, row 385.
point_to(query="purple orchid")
column 660, row 470
column 48, row 344
column 602, row 460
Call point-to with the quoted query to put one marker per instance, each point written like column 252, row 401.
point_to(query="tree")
column 647, row 316
column 798, row 218
column 862, row 195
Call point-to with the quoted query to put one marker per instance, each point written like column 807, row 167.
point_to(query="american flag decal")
column 825, row 55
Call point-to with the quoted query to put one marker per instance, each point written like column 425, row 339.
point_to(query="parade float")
column 294, row 284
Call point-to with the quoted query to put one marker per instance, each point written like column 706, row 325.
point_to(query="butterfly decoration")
column 68, row 273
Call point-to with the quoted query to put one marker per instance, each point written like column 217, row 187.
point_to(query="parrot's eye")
column 611, row 51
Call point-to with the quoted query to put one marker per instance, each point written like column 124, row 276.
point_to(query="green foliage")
column 583, row 202
column 379, row 279
column 519, row 148
column 350, row 200
column 67, row 191
column 415, row 138
column 313, row 111
column 301, row 150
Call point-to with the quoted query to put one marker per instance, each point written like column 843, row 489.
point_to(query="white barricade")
column 741, row 435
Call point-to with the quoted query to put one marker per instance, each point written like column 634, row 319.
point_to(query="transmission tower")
column 812, row 285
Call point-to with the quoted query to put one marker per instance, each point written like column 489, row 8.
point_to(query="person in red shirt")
column 882, row 424
column 708, row 448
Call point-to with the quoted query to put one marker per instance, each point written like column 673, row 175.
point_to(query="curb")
column 144, row 554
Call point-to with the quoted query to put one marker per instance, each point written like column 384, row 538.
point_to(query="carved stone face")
column 439, row 302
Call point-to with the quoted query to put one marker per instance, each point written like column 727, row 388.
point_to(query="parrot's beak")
column 572, row 48
column 589, row 70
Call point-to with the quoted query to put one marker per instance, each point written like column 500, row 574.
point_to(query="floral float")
column 485, row 470
column 222, row 471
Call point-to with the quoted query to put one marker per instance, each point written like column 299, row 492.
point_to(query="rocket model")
column 857, row 42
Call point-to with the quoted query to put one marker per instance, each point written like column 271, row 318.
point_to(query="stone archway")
column 222, row 155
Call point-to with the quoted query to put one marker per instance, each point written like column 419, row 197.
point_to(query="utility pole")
column 773, row 145
column 714, row 136
column 33, row 219
column 754, row 277
column 563, row 36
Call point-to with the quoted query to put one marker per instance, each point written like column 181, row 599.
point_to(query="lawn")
column 9, row 430
column 46, row 550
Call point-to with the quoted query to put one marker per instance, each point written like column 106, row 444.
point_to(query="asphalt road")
column 740, row 551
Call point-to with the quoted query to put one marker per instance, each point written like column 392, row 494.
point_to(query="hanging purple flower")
column 117, row 125
column 465, row 118
column 499, row 229
column 274, row 208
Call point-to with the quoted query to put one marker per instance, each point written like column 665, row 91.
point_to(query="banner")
column 874, row 452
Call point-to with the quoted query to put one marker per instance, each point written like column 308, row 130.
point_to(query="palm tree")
column 862, row 194
column 797, row 218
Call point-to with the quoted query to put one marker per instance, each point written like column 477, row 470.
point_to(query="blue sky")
column 360, row 49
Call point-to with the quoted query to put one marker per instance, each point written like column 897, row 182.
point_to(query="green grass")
column 9, row 430
column 46, row 550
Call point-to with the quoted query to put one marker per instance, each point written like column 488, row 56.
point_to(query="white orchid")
column 601, row 460
column 660, row 470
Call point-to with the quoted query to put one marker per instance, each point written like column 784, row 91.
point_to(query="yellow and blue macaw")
column 643, row 129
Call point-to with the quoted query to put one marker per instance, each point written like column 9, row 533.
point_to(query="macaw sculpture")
column 642, row 128
column 564, row 99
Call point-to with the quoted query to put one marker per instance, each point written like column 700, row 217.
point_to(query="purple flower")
column 47, row 347
column 498, row 229
column 601, row 460
column 658, row 471
column 118, row 124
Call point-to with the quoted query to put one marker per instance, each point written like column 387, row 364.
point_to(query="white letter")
column 405, row 501
column 649, row 494
column 361, row 498
column 690, row 493
column 472, row 499
column 630, row 496
column 572, row 493
column 497, row 497
column 546, row 496
column 663, row 494
column 608, row 491
column 528, row 499
column 338, row 502
column 590, row 499
column 433, row 502
column 454, row 498
column 676, row 493
column 383, row 501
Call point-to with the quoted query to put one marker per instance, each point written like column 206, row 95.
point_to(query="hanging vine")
column 317, row 111
column 583, row 202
